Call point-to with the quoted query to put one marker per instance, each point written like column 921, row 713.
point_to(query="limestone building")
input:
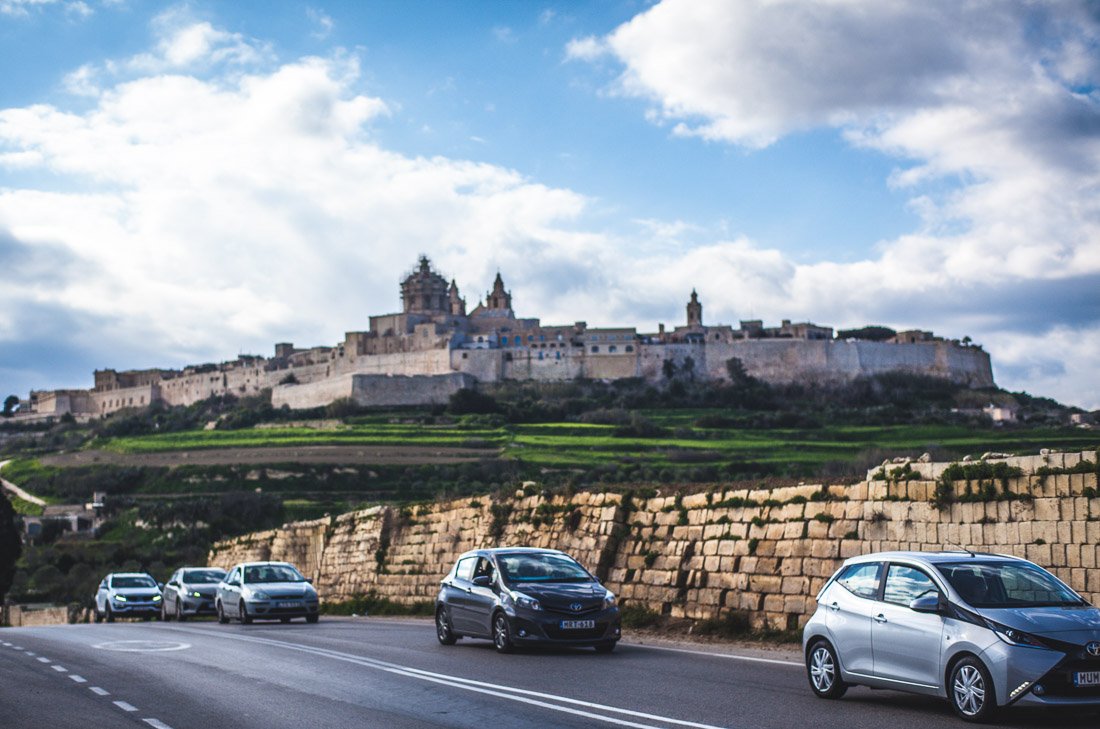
column 433, row 347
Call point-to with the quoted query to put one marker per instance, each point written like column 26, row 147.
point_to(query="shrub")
column 639, row 616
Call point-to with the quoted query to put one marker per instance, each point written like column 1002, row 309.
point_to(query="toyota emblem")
column 576, row 607
column 1093, row 648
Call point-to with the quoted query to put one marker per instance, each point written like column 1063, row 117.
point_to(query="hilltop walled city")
column 434, row 347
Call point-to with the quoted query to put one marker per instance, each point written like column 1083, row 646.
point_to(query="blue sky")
column 184, row 182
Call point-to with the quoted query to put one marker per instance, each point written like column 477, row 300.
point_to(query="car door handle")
column 834, row 606
column 880, row 618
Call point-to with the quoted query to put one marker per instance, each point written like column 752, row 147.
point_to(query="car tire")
column 312, row 618
column 971, row 692
column 242, row 613
column 179, row 612
column 606, row 647
column 110, row 615
column 502, row 634
column 823, row 671
column 443, row 629
column 222, row 617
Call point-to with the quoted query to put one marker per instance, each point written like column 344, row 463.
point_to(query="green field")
column 679, row 443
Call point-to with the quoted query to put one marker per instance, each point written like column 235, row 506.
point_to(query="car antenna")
column 962, row 549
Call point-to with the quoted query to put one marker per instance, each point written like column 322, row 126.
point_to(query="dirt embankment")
column 365, row 455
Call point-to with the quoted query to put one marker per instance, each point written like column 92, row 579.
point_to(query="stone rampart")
column 698, row 556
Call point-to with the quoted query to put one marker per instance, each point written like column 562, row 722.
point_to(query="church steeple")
column 458, row 304
column 695, row 311
column 498, row 298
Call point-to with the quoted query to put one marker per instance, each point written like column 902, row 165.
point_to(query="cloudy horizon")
column 182, row 183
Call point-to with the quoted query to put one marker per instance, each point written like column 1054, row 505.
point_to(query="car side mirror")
column 483, row 581
column 160, row 585
column 309, row 580
column 926, row 604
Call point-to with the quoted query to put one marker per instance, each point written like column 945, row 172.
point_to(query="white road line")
column 29, row 653
column 42, row 659
column 59, row 669
column 124, row 706
column 98, row 691
column 156, row 723
column 730, row 656
column 78, row 679
column 505, row 692
column 17, row 647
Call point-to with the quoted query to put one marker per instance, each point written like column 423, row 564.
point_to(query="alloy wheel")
column 969, row 690
column 502, row 638
column 822, row 669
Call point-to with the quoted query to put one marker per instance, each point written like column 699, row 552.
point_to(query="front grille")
column 1059, row 681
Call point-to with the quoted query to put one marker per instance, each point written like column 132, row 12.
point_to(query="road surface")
column 370, row 672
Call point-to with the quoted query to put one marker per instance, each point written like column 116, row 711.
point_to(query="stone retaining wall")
column 765, row 551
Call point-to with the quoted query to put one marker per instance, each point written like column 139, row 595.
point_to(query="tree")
column 669, row 369
column 11, row 546
column 11, row 402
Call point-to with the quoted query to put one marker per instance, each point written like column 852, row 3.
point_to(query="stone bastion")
column 701, row 555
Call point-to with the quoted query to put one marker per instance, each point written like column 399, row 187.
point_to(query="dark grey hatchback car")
column 524, row 596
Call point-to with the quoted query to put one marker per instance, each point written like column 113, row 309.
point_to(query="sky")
column 185, row 182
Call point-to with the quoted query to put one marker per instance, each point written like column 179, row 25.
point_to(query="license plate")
column 578, row 624
column 290, row 604
column 1086, row 678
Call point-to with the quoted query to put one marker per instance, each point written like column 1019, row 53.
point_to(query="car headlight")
column 526, row 601
column 120, row 598
column 1015, row 637
column 609, row 599
column 257, row 595
column 196, row 594
column 156, row 598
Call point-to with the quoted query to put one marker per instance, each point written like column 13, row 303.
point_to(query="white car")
column 266, row 591
column 127, row 595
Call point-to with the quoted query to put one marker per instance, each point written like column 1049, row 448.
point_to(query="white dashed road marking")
column 60, row 669
column 29, row 653
column 78, row 679
column 98, row 691
column 142, row 646
column 124, row 706
column 42, row 659
column 156, row 723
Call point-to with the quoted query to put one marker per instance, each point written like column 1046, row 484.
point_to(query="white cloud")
column 323, row 23
column 991, row 110
column 243, row 209
column 585, row 49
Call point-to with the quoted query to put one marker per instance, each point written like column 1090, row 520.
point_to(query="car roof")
column 510, row 550
column 130, row 574
column 932, row 558
column 257, row 564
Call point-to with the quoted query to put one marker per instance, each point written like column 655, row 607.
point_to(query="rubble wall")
column 698, row 556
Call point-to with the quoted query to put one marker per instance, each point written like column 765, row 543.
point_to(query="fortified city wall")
column 766, row 552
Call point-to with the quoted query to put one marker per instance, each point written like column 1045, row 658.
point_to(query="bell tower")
column 694, row 311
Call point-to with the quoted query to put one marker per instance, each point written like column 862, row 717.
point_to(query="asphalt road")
column 392, row 673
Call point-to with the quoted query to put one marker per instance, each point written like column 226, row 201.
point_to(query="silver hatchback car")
column 983, row 631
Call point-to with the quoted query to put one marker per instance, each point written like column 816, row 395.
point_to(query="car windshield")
column 541, row 568
column 1007, row 585
column 203, row 577
column 272, row 573
column 133, row 581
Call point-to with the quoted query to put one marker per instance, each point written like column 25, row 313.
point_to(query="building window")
column 542, row 337
column 540, row 355
column 519, row 340
column 629, row 348
column 504, row 341
column 612, row 348
column 465, row 355
column 595, row 349
column 557, row 355
column 530, row 337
